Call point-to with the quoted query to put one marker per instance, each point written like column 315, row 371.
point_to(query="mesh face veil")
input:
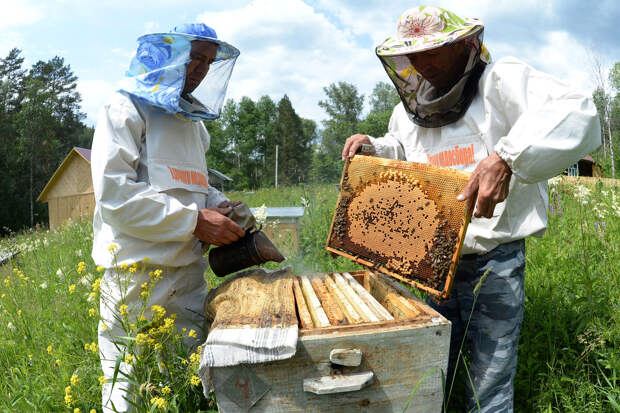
column 430, row 100
column 157, row 73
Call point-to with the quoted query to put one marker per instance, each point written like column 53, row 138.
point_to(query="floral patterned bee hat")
column 420, row 30
column 157, row 72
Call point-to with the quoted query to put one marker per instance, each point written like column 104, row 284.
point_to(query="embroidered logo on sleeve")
column 453, row 157
column 189, row 177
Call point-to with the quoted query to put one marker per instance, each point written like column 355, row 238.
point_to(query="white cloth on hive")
column 253, row 320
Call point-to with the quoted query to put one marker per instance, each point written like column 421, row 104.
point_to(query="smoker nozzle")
column 253, row 249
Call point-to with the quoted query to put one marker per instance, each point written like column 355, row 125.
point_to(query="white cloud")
column 151, row 27
column 94, row 94
column 17, row 13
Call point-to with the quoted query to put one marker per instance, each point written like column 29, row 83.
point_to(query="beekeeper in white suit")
column 153, row 199
column 513, row 127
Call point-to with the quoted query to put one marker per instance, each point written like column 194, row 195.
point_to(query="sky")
column 297, row 47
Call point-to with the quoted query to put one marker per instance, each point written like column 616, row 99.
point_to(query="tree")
column 383, row 98
column 294, row 144
column 40, row 122
column 382, row 101
column 343, row 106
column 603, row 100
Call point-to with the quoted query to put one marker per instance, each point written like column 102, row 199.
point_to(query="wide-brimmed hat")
column 426, row 27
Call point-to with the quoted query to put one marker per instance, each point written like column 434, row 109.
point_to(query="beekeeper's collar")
column 421, row 29
column 158, row 70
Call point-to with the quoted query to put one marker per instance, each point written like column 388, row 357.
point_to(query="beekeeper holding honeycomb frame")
column 513, row 127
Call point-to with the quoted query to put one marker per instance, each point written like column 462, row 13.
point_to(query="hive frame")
column 468, row 208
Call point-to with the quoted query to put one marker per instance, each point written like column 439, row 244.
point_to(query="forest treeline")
column 41, row 120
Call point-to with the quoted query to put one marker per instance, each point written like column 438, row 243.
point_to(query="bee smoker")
column 253, row 249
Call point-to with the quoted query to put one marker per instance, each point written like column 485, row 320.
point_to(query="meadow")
column 569, row 350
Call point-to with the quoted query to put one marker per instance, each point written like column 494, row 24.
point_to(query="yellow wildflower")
column 68, row 399
column 141, row 338
column 158, row 346
column 100, row 268
column 92, row 312
column 132, row 269
column 159, row 311
column 19, row 313
column 184, row 362
column 129, row 359
column 124, row 266
column 81, row 267
column 112, row 247
column 192, row 333
column 74, row 380
column 57, row 363
column 195, row 380
column 50, row 350
column 146, row 259
column 7, row 282
column 92, row 411
column 194, row 358
column 101, row 380
column 124, row 309
column 166, row 390
column 3, row 295
column 68, row 389
column 160, row 402
column 71, row 288
column 77, row 410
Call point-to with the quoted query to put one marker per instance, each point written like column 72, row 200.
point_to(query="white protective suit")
column 150, row 180
column 536, row 123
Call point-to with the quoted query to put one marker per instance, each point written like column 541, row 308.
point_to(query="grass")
column 569, row 350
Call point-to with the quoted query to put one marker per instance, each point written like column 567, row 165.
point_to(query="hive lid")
column 403, row 219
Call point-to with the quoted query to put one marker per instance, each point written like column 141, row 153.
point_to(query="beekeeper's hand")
column 488, row 185
column 353, row 144
column 214, row 227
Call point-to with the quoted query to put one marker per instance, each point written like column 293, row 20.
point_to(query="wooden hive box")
column 365, row 344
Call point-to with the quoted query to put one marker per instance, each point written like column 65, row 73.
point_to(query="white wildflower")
column 59, row 273
column 260, row 214
column 582, row 193
column 43, row 285
column 78, row 253
column 305, row 202
column 10, row 326
column 556, row 180
column 85, row 281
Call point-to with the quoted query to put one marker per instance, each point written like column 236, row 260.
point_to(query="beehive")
column 365, row 343
column 403, row 219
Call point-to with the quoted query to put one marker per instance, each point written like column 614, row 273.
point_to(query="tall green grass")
column 569, row 354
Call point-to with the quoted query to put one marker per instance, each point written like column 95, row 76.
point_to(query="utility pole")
column 276, row 166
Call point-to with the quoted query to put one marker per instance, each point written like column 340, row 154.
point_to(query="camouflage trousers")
column 493, row 334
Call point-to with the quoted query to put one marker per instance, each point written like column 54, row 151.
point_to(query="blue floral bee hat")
column 158, row 70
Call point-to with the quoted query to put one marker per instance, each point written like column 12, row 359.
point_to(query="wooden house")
column 69, row 192
column 586, row 166
column 218, row 179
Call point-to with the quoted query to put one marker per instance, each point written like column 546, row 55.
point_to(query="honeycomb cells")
column 393, row 218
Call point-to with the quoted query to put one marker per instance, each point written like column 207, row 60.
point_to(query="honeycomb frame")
column 402, row 219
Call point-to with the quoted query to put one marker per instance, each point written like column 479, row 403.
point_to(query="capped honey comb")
column 401, row 218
